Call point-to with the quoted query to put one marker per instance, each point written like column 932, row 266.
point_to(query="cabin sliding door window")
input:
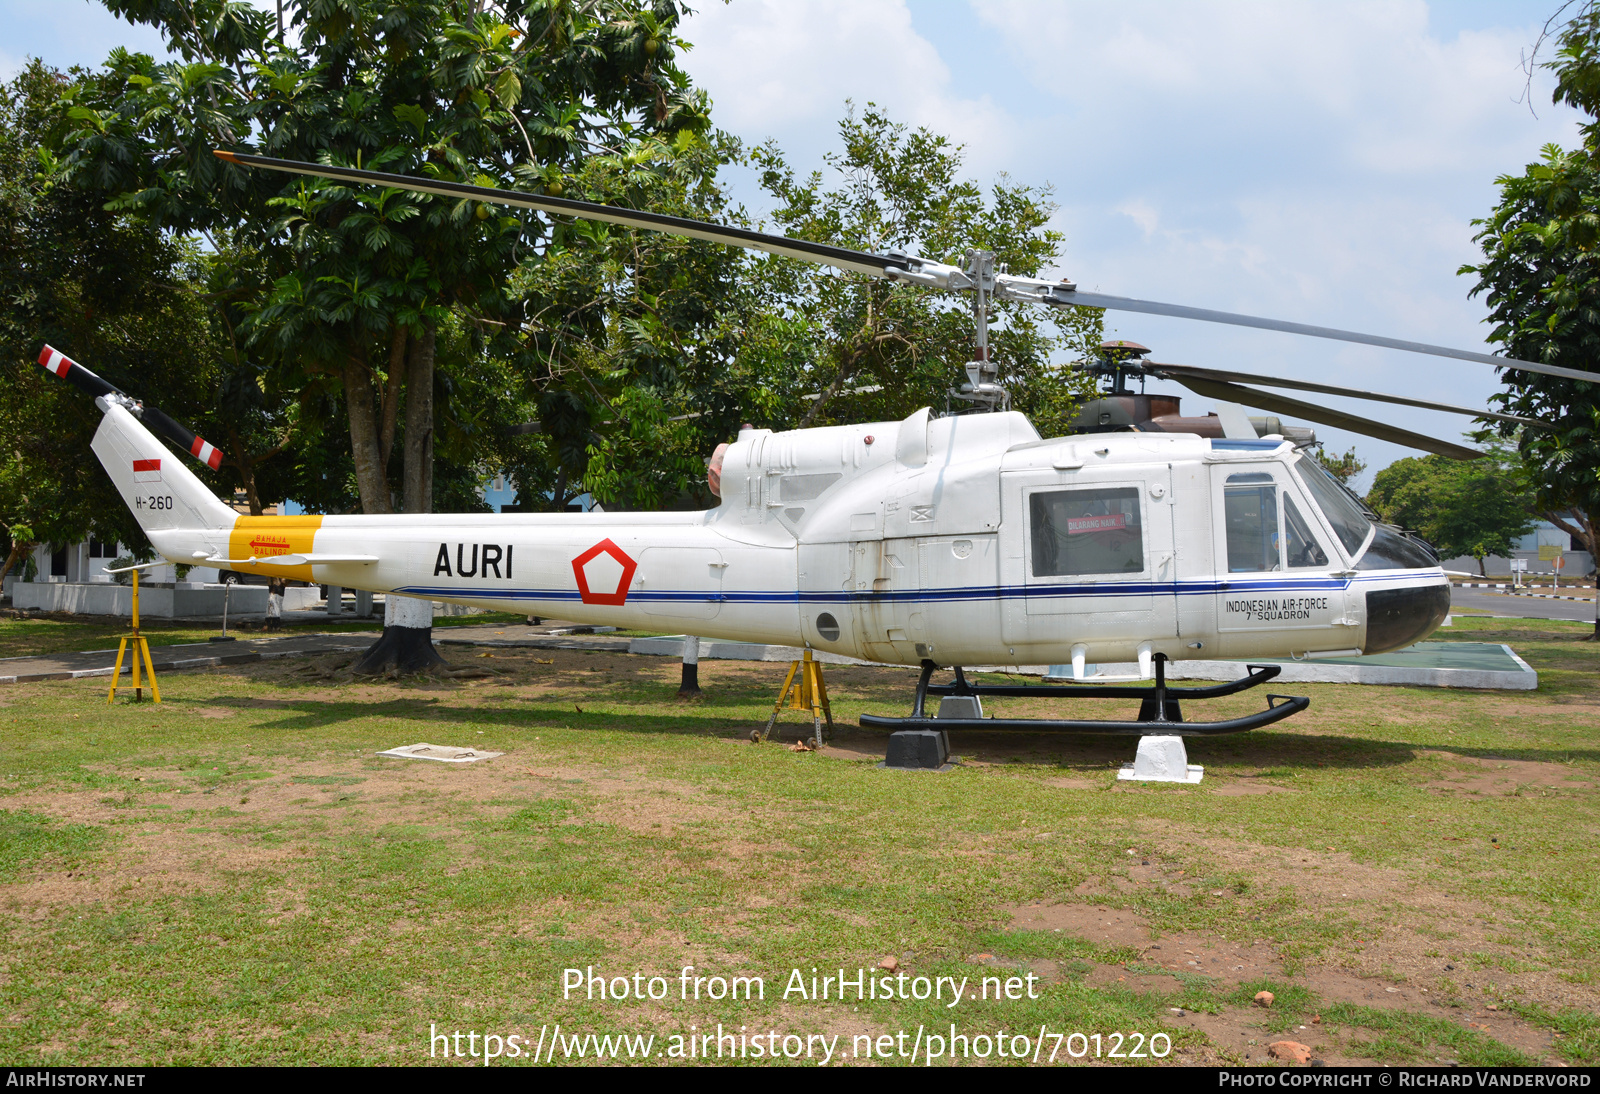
column 1082, row 532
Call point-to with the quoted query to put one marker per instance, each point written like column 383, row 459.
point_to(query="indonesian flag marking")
column 203, row 451
column 55, row 361
column 146, row 470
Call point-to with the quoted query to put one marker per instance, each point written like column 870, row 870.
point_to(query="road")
column 1524, row 607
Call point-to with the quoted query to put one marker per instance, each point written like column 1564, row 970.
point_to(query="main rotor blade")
column 1206, row 315
column 820, row 253
column 1282, row 404
column 912, row 269
column 1161, row 369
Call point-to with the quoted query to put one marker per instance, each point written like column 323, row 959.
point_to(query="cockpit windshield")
column 1350, row 524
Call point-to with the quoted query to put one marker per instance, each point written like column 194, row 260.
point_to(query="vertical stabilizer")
column 165, row 496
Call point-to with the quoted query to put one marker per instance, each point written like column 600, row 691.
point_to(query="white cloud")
column 1142, row 214
column 1348, row 88
column 1316, row 162
column 784, row 69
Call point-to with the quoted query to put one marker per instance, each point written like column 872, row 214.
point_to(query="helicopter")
column 935, row 541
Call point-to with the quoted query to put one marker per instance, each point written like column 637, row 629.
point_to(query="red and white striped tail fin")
column 59, row 364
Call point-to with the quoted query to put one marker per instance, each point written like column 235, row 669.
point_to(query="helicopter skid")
column 1278, row 708
column 1160, row 711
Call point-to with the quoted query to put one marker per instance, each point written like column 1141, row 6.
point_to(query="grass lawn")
column 234, row 877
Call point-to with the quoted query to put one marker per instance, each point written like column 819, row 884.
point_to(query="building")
column 1545, row 534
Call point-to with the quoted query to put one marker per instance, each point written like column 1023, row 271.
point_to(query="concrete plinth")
column 1161, row 760
column 186, row 600
column 1424, row 665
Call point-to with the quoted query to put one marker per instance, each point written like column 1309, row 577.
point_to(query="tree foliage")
column 1471, row 508
column 116, row 292
column 648, row 357
column 1542, row 283
column 360, row 283
column 898, row 189
column 1345, row 467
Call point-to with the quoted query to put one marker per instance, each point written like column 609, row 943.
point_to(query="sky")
column 1308, row 161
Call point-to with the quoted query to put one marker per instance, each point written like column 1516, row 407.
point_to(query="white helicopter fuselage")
column 962, row 540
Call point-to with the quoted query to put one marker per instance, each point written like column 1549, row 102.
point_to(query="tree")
column 118, row 292
column 363, row 281
column 1344, row 468
column 832, row 335
column 1542, row 284
column 1476, row 508
column 648, row 349
column 636, row 344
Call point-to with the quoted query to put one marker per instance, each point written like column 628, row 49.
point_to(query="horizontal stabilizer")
column 316, row 559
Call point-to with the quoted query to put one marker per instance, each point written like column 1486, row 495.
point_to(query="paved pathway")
column 1521, row 607
column 190, row 655
column 544, row 637
column 199, row 655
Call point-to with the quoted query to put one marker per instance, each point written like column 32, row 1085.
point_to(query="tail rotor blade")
column 1282, row 404
column 195, row 445
column 59, row 364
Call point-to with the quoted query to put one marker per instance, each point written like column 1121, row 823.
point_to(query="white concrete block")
column 1162, row 759
column 960, row 706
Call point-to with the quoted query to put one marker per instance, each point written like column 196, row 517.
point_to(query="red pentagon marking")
column 620, row 595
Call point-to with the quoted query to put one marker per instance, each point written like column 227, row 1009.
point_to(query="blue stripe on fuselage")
column 957, row 594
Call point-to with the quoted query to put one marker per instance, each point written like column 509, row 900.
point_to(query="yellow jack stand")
column 806, row 693
column 141, row 649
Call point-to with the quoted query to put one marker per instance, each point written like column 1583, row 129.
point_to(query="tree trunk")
column 370, row 479
column 391, row 393
column 689, row 680
column 419, row 425
column 18, row 550
column 558, row 495
column 406, row 644
column 247, row 473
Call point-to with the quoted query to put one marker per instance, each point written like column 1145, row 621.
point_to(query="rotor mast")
column 983, row 386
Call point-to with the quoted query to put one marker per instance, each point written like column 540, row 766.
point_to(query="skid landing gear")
column 1160, row 708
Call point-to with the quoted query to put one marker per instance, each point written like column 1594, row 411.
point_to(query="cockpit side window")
column 1299, row 544
column 1349, row 523
column 1250, row 514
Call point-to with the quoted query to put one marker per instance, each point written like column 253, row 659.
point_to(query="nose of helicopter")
column 1413, row 606
column 1399, row 617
